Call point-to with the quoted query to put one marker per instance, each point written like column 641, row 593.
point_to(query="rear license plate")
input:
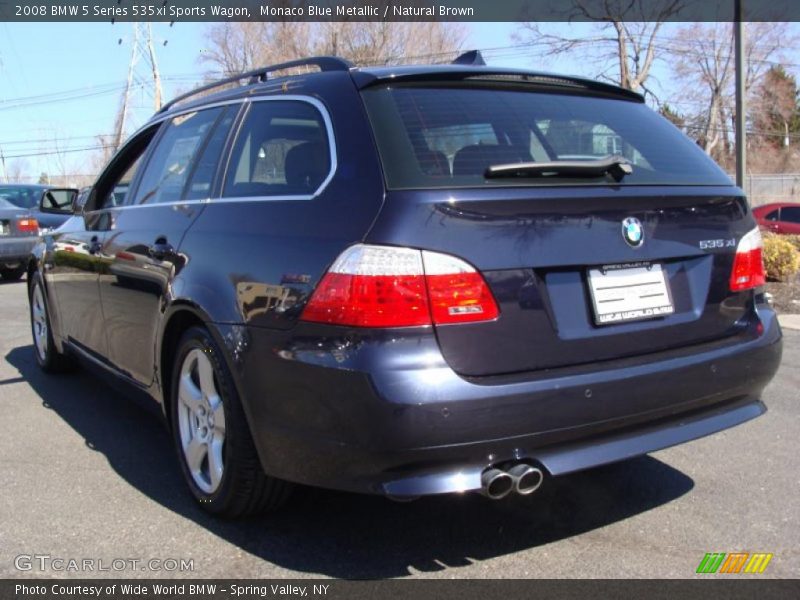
column 629, row 293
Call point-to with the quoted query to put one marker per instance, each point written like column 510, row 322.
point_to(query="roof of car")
column 260, row 82
column 33, row 186
column 774, row 205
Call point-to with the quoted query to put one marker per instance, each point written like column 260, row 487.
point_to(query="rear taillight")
column 748, row 266
column 457, row 292
column 383, row 286
column 28, row 225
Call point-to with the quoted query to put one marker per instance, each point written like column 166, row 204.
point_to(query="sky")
column 61, row 83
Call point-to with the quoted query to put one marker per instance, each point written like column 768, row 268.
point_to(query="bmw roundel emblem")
column 633, row 232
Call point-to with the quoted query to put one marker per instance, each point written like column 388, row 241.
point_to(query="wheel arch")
column 36, row 264
column 180, row 316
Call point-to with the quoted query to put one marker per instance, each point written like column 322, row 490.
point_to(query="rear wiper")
column 616, row 166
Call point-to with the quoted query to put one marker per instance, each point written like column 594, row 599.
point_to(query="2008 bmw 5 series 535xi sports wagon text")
column 411, row 280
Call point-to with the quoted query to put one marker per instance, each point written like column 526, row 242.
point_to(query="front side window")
column 207, row 163
column 773, row 216
column 282, row 150
column 431, row 137
column 170, row 164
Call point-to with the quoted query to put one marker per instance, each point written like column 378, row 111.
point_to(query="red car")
column 779, row 217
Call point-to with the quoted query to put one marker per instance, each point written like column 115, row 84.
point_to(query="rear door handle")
column 161, row 249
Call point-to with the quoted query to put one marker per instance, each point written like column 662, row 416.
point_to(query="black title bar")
column 713, row 588
column 395, row 10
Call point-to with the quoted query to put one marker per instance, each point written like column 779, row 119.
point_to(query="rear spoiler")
column 474, row 73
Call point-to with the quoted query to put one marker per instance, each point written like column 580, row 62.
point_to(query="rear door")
column 142, row 246
column 584, row 268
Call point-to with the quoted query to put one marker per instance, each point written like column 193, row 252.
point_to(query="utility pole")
column 741, row 104
column 3, row 162
column 122, row 115
column 151, row 53
column 141, row 49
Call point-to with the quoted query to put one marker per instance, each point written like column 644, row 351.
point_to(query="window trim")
column 233, row 136
column 157, row 129
column 331, row 150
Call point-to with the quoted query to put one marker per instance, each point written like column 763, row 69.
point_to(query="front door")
column 78, row 256
column 143, row 245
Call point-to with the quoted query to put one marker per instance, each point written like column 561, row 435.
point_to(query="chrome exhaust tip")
column 527, row 479
column 496, row 484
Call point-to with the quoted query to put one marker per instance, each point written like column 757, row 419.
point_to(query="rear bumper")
column 15, row 251
column 385, row 414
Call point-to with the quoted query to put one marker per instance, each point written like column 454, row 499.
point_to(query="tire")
column 49, row 359
column 212, row 439
column 13, row 274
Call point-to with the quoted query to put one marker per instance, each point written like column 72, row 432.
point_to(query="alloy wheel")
column 39, row 318
column 201, row 421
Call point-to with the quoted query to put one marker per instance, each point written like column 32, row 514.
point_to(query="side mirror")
column 58, row 201
column 79, row 201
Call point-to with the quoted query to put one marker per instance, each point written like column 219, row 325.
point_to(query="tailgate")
column 536, row 247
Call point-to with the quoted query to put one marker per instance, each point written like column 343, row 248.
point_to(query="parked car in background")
column 19, row 232
column 411, row 280
column 779, row 217
column 50, row 205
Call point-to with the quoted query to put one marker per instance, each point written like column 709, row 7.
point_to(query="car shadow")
column 349, row 535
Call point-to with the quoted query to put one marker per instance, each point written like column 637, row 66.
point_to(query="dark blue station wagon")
column 411, row 280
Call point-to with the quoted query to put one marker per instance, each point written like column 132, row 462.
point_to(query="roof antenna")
column 471, row 58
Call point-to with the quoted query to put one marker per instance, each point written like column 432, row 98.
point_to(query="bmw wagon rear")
column 558, row 279
column 413, row 280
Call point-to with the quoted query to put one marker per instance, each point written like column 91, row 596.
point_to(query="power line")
column 64, row 151
column 72, row 95
column 54, row 140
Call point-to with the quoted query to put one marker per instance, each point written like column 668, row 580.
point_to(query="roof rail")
column 325, row 63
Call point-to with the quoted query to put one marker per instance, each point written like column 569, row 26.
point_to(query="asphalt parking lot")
column 87, row 474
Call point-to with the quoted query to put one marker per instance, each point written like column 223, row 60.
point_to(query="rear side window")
column 790, row 214
column 449, row 136
column 282, row 149
column 773, row 216
column 171, row 162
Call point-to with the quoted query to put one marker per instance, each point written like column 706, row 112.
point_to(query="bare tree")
column 774, row 110
column 704, row 62
column 626, row 38
column 16, row 170
column 237, row 47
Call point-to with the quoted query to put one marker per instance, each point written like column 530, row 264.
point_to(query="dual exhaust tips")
column 521, row 478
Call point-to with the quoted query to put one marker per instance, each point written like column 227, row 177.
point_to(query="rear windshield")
column 20, row 195
column 448, row 136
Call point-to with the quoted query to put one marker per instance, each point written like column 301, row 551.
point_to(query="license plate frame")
column 629, row 292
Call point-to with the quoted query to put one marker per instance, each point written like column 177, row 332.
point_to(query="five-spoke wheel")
column 47, row 354
column 39, row 321
column 201, row 420
column 212, row 436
